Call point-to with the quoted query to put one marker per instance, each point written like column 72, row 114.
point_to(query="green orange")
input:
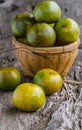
column 41, row 35
column 23, row 40
column 10, row 78
column 47, row 11
column 28, row 97
column 67, row 31
column 21, row 23
column 49, row 79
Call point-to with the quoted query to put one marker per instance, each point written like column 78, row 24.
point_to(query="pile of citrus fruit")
column 30, row 96
column 44, row 26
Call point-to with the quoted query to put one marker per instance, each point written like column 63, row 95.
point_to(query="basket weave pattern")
column 33, row 59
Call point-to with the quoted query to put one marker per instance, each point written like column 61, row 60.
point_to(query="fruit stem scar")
column 63, row 25
column 50, row 72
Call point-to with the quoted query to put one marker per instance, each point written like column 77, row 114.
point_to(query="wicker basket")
column 33, row 59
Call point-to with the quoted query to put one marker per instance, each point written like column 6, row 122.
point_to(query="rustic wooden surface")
column 63, row 110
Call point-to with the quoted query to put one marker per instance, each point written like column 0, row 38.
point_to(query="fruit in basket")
column 47, row 11
column 28, row 97
column 67, row 31
column 49, row 79
column 41, row 35
column 23, row 40
column 52, row 24
column 21, row 23
column 10, row 78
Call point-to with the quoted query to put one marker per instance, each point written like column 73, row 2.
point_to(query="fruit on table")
column 47, row 11
column 49, row 79
column 21, row 23
column 28, row 97
column 10, row 78
column 41, row 34
column 67, row 31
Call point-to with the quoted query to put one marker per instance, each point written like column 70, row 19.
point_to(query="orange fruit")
column 67, row 31
column 10, row 78
column 52, row 25
column 23, row 40
column 49, row 79
column 47, row 11
column 28, row 97
column 40, row 35
column 21, row 23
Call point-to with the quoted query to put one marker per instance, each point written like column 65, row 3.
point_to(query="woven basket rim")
column 59, row 49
